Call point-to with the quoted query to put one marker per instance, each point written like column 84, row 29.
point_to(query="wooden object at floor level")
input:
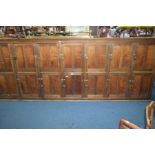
column 124, row 124
column 77, row 68
column 150, row 115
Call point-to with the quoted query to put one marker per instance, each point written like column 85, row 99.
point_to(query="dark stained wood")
column 96, row 85
column 7, row 86
column 77, row 68
column 5, row 59
column 52, row 85
column 29, row 85
column 118, row 85
column 25, row 57
column 121, row 58
column 49, row 57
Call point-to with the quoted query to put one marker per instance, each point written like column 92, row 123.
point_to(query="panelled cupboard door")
column 121, row 58
column 118, row 86
column 144, row 57
column 49, row 57
column 25, row 57
column 140, row 86
column 5, row 59
column 52, row 85
column 29, row 85
column 97, row 57
column 73, row 85
column 96, row 85
column 150, row 58
column 73, row 57
column 7, row 85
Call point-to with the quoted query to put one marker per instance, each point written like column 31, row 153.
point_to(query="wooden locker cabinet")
column 77, row 68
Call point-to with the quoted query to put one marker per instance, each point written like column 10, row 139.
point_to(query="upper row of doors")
column 74, row 56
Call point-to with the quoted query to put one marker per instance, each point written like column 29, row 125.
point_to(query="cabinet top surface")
column 74, row 40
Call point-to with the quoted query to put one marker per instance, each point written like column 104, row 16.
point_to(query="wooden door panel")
column 29, row 85
column 52, row 84
column 146, row 86
column 77, row 57
column 118, row 85
column 7, row 84
column 145, row 57
column 96, row 84
column 91, row 57
column 73, row 85
column 121, row 58
column 68, row 57
column 150, row 58
column 25, row 57
column 135, row 86
column 140, row 57
column 96, row 56
column 30, row 57
column 3, row 85
column 49, row 57
column 141, row 85
column 73, row 56
column 20, row 57
column 5, row 59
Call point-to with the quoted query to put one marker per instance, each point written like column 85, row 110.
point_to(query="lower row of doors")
column 115, row 86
